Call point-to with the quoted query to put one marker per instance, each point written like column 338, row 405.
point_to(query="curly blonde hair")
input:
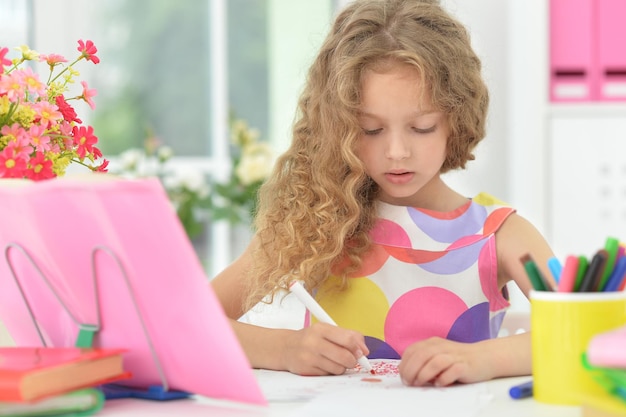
column 316, row 210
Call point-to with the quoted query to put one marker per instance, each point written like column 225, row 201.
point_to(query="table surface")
column 291, row 395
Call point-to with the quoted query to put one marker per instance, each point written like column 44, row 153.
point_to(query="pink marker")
column 568, row 274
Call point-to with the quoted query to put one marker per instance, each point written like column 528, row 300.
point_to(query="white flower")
column 255, row 164
column 164, row 153
column 253, row 135
column 191, row 180
column 130, row 159
column 241, row 135
column 148, row 167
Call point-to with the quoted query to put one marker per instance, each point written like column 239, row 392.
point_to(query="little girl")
column 357, row 209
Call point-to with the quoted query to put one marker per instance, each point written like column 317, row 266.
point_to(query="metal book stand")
column 87, row 331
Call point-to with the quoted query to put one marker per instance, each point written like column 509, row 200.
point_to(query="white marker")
column 313, row 306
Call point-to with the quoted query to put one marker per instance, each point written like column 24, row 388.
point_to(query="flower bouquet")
column 40, row 132
column 235, row 200
column 196, row 198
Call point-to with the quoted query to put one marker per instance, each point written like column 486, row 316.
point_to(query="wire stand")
column 87, row 331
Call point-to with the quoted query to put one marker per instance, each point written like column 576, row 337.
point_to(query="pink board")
column 59, row 222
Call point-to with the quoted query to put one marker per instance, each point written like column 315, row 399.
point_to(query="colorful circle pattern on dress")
column 449, row 230
column 463, row 241
column 363, row 306
column 406, row 317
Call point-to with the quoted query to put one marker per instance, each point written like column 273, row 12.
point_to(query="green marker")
column 533, row 273
column 583, row 264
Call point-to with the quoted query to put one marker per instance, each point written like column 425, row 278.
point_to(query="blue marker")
column 555, row 268
column 616, row 277
column 522, row 390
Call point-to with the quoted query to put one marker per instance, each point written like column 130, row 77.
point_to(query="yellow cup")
column 562, row 324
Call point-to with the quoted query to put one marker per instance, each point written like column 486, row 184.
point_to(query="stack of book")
column 37, row 381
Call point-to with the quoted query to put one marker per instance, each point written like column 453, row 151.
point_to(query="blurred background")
column 178, row 73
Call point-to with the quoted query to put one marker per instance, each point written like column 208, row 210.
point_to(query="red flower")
column 11, row 165
column 68, row 112
column 41, row 168
column 84, row 140
column 4, row 61
column 88, row 50
column 103, row 166
column 55, row 136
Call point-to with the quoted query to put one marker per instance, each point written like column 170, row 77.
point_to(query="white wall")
column 511, row 39
column 527, row 102
column 488, row 31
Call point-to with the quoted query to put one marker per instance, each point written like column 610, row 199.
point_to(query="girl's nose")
column 397, row 147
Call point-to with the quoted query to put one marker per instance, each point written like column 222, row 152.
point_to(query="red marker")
column 568, row 274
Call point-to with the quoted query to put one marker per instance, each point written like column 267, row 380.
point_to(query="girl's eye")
column 428, row 130
column 371, row 132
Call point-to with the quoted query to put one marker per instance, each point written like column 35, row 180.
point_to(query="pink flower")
column 88, row 94
column 66, row 128
column 40, row 132
column 31, row 83
column 49, row 113
column 14, row 132
column 88, row 51
column 12, row 86
column 38, row 138
column 18, row 139
column 52, row 59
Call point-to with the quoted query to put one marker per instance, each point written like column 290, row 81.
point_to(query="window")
column 178, row 69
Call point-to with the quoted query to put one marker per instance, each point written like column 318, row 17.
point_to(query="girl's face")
column 403, row 140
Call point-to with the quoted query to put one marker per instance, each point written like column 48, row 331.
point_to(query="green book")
column 82, row 402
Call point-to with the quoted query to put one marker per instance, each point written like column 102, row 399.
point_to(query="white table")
column 284, row 390
column 499, row 403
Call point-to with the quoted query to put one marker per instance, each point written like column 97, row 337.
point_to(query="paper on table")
column 285, row 386
column 362, row 394
column 459, row 400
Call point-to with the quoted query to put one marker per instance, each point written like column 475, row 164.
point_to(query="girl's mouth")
column 399, row 177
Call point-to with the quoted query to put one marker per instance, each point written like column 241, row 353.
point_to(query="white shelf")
column 587, row 109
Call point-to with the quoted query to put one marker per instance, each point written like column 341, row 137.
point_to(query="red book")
column 31, row 373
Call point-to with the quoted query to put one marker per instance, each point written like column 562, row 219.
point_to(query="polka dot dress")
column 427, row 274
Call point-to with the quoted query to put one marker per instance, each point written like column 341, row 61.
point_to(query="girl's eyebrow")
column 420, row 113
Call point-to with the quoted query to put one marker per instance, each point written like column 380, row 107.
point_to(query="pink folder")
column 572, row 73
column 151, row 294
column 611, row 30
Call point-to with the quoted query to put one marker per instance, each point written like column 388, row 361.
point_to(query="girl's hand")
column 322, row 349
column 442, row 362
